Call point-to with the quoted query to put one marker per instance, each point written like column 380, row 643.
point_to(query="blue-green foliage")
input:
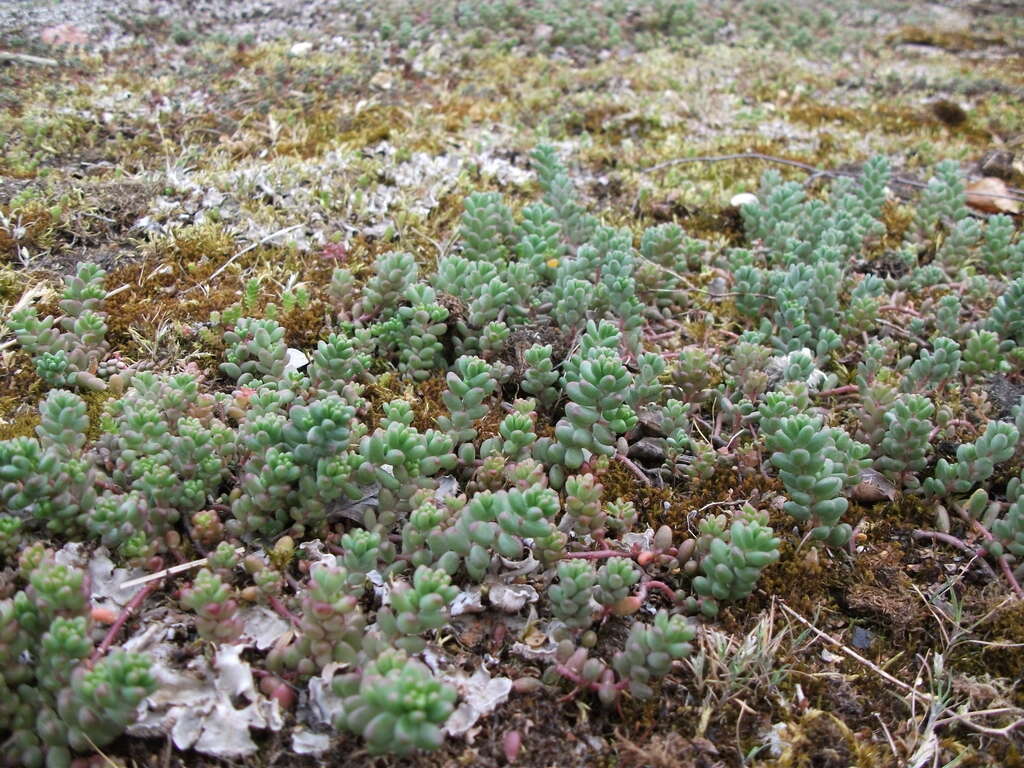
column 69, row 351
column 399, row 445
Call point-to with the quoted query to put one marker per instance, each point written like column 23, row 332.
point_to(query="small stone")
column 873, row 487
column 382, row 80
column 862, row 638
column 300, row 49
column 511, row 598
column 634, row 434
column 647, row 451
column 297, row 360
column 651, row 423
column 542, row 32
column 717, row 288
column 743, row 198
column 468, row 601
column 1004, row 394
column 306, row 742
column 64, row 34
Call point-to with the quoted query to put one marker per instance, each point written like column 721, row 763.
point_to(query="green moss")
column 1003, row 654
column 22, row 425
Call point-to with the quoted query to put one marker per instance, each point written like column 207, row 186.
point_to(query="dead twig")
column 115, row 629
column 848, row 389
column 744, row 156
column 856, row 656
column 711, row 504
column 888, row 736
column 632, row 467
column 172, row 570
column 24, row 58
column 282, row 610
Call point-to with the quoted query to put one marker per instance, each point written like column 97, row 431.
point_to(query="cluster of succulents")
column 646, row 657
column 70, row 350
column 814, row 464
column 588, row 29
column 395, row 704
column 735, row 558
column 485, row 480
column 59, row 695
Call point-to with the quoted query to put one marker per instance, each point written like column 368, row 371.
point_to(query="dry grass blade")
column 180, row 568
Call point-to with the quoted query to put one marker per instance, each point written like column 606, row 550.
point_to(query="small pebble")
column 862, row 638
column 743, row 198
column 510, row 745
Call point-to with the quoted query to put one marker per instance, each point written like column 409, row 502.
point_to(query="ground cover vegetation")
column 512, row 383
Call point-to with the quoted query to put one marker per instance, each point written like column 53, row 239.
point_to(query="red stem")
column 849, row 389
column 628, row 464
column 852, row 544
column 1008, row 574
column 568, row 674
column 664, row 588
column 283, row 612
column 967, row 549
column 662, row 335
column 126, row 612
column 1003, row 564
column 950, row 423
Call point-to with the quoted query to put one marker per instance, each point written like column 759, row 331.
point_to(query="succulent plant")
column 395, row 704
column 576, row 224
column 813, row 481
column 215, row 606
column 255, row 350
column 56, row 701
column 502, row 491
column 934, row 369
column 614, row 580
column 905, row 445
column 572, row 597
column 735, row 560
column 1008, row 529
column 596, row 414
column 469, row 385
column 403, row 460
column 981, row 354
column 332, row 625
column 394, row 272
column 71, row 357
column 583, row 503
column 417, row 608
column 539, row 377
column 1007, row 316
column 975, row 462
column 486, row 223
